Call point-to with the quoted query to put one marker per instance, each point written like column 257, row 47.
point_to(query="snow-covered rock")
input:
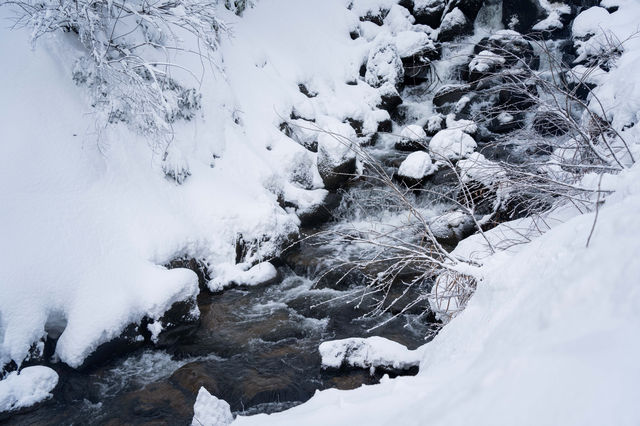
column 210, row 411
column 416, row 166
column 370, row 352
column 384, row 64
column 451, row 227
column 412, row 138
column 483, row 63
column 451, row 144
column 454, row 24
column 26, row 388
column 336, row 152
column 226, row 275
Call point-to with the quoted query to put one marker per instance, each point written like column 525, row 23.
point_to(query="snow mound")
column 417, row 165
column 485, row 61
column 261, row 273
column 451, row 144
column 26, row 388
column 370, row 352
column 413, row 132
column 210, row 411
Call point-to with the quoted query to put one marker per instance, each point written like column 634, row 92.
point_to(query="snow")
column 485, row 61
column 241, row 274
column 384, row 64
column 210, row 411
column 409, row 43
column 467, row 126
column 90, row 212
column 370, row 352
column 451, row 144
column 417, row 165
column 453, row 19
column 413, row 132
column 550, row 335
column 478, row 168
column 28, row 387
column 553, row 324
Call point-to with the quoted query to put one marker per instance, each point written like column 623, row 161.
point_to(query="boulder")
column 522, row 15
column 415, row 168
column 549, row 123
column 428, row 12
column 454, row 24
column 336, row 154
column 384, row 64
column 412, row 138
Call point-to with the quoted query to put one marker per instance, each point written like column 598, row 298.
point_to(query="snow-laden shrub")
column 128, row 53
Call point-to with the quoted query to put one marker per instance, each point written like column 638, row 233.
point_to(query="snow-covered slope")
column 89, row 217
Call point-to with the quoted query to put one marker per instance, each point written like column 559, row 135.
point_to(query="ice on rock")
column 368, row 352
column 26, row 388
column 451, row 144
column 417, row 165
column 211, row 411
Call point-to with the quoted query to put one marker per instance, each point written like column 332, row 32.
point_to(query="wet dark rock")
column 428, row 12
column 514, row 48
column 321, row 213
column 521, row 15
column 469, row 7
column 549, row 123
column 336, row 176
column 408, row 145
column 390, row 99
column 354, row 34
column 504, row 124
column 417, row 67
column 450, row 94
column 385, row 126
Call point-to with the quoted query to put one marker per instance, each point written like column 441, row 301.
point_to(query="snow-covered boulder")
column 417, row 51
column 484, row 63
column 451, row 144
column 336, row 153
column 383, row 63
column 389, row 97
column 416, row 167
column 511, row 46
column 398, row 19
column 261, row 274
column 467, row 126
column 371, row 352
column 434, row 124
column 450, row 94
column 412, row 138
column 452, row 227
column 26, row 388
column 453, row 25
column 211, row 411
